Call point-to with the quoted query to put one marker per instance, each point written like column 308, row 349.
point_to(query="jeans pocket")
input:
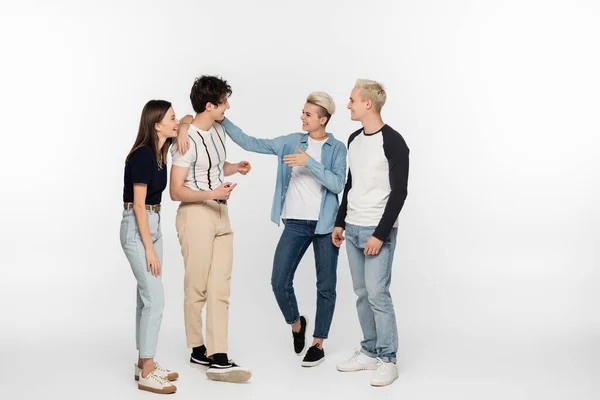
column 155, row 233
column 123, row 232
column 154, row 225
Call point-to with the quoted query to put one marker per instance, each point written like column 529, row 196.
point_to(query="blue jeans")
column 150, row 294
column 295, row 239
column 371, row 277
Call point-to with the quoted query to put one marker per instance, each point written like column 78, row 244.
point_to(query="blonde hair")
column 324, row 102
column 373, row 91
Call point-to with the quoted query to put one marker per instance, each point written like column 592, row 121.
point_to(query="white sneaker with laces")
column 385, row 374
column 358, row 362
column 156, row 384
column 160, row 371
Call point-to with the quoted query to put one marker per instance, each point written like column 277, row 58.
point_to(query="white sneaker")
column 156, row 384
column 358, row 362
column 158, row 370
column 385, row 374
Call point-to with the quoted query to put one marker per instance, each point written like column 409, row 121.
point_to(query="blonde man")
column 373, row 197
column 310, row 174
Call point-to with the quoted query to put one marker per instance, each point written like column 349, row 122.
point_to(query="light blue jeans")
column 371, row 277
column 150, row 293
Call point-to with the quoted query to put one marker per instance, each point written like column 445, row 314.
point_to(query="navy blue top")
column 142, row 167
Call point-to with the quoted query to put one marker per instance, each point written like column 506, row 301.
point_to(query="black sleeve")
column 396, row 152
column 141, row 164
column 340, row 221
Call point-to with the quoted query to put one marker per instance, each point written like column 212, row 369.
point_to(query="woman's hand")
column 296, row 160
column 152, row 262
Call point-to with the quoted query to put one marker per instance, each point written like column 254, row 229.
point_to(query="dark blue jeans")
column 295, row 239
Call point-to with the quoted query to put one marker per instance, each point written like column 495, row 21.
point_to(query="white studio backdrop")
column 498, row 102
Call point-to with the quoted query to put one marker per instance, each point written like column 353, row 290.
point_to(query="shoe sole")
column 383, row 384
column 171, row 377
column 304, row 348
column 365, row 368
column 312, row 363
column 235, row 376
column 165, row 390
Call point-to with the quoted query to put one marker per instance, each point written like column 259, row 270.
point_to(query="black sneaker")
column 225, row 370
column 300, row 337
column 198, row 357
column 314, row 356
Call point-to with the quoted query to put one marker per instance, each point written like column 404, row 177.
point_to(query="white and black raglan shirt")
column 377, row 183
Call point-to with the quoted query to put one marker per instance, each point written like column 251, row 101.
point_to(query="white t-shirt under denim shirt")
column 304, row 195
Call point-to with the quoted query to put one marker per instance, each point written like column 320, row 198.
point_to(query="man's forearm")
column 230, row 169
column 187, row 195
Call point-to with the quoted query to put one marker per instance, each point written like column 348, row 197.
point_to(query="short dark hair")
column 208, row 89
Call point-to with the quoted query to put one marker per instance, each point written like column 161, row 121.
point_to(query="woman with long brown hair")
column 144, row 182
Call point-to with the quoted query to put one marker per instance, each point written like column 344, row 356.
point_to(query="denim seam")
column 289, row 278
column 324, row 333
column 143, row 330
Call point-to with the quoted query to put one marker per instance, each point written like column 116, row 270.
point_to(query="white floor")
column 62, row 366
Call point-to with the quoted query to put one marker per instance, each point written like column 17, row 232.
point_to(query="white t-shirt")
column 370, row 180
column 205, row 158
column 303, row 197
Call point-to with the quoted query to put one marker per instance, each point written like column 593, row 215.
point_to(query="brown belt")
column 155, row 207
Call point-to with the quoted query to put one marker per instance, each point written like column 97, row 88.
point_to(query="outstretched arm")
column 249, row 143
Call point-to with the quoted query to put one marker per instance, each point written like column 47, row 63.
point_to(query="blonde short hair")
column 373, row 91
column 324, row 101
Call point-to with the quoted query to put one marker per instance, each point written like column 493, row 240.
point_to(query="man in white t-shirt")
column 198, row 181
column 373, row 197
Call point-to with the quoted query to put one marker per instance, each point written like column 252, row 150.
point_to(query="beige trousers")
column 206, row 242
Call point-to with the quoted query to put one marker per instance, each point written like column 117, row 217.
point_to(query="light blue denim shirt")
column 330, row 172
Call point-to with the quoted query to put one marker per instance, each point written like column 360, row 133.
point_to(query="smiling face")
column 167, row 127
column 358, row 106
column 217, row 111
column 311, row 121
column 210, row 94
column 366, row 99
